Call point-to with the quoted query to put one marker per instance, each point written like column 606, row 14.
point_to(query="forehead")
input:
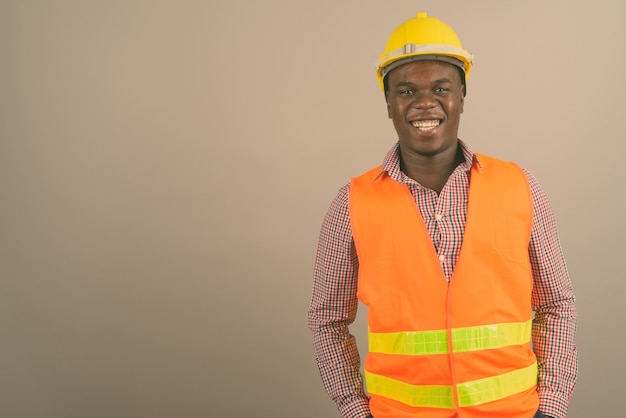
column 424, row 71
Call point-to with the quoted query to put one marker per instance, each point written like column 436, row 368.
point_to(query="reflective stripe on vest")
column 471, row 393
column 482, row 337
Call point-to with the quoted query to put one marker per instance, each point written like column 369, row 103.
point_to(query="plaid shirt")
column 334, row 303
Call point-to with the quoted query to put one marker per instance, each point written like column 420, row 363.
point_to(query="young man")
column 451, row 252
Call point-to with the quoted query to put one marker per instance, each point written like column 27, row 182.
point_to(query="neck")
column 431, row 171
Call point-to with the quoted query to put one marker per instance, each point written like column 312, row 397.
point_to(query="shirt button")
column 438, row 217
column 442, row 258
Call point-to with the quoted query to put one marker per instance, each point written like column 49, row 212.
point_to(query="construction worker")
column 452, row 252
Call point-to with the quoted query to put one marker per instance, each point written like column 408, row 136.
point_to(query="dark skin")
column 425, row 101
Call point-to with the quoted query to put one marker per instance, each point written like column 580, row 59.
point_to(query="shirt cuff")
column 552, row 406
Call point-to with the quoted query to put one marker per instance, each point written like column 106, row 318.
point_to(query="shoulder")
column 486, row 162
column 540, row 200
column 338, row 214
column 541, row 203
column 341, row 199
column 336, row 228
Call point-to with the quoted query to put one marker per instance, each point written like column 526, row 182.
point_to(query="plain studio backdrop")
column 165, row 167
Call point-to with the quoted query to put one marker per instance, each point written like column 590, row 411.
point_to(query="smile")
column 426, row 125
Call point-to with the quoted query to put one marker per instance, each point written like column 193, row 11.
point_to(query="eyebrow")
column 409, row 83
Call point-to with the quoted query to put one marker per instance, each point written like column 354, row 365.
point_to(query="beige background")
column 165, row 166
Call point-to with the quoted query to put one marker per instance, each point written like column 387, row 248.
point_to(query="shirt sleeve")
column 554, row 325
column 333, row 308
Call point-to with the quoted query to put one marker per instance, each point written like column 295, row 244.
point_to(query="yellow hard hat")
column 423, row 38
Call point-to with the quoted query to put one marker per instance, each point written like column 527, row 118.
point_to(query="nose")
column 424, row 101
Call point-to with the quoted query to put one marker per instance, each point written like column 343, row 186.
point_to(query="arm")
column 333, row 308
column 554, row 326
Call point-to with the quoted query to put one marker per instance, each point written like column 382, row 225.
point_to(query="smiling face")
column 425, row 101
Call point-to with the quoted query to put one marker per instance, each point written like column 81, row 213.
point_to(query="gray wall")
column 165, row 166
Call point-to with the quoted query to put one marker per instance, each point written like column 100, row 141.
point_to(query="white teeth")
column 425, row 124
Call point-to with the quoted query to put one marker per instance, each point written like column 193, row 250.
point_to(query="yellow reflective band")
column 497, row 387
column 409, row 343
column 485, row 337
column 471, row 393
column 482, row 337
column 432, row 396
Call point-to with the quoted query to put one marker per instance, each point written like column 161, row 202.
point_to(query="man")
column 451, row 252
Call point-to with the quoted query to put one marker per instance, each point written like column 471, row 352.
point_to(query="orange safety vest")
column 439, row 349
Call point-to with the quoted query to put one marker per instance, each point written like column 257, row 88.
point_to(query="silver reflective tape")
column 439, row 50
column 428, row 57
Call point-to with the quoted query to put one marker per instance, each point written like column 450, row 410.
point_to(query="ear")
column 462, row 99
column 388, row 106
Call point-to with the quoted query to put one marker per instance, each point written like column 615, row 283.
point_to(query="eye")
column 441, row 90
column 406, row 92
